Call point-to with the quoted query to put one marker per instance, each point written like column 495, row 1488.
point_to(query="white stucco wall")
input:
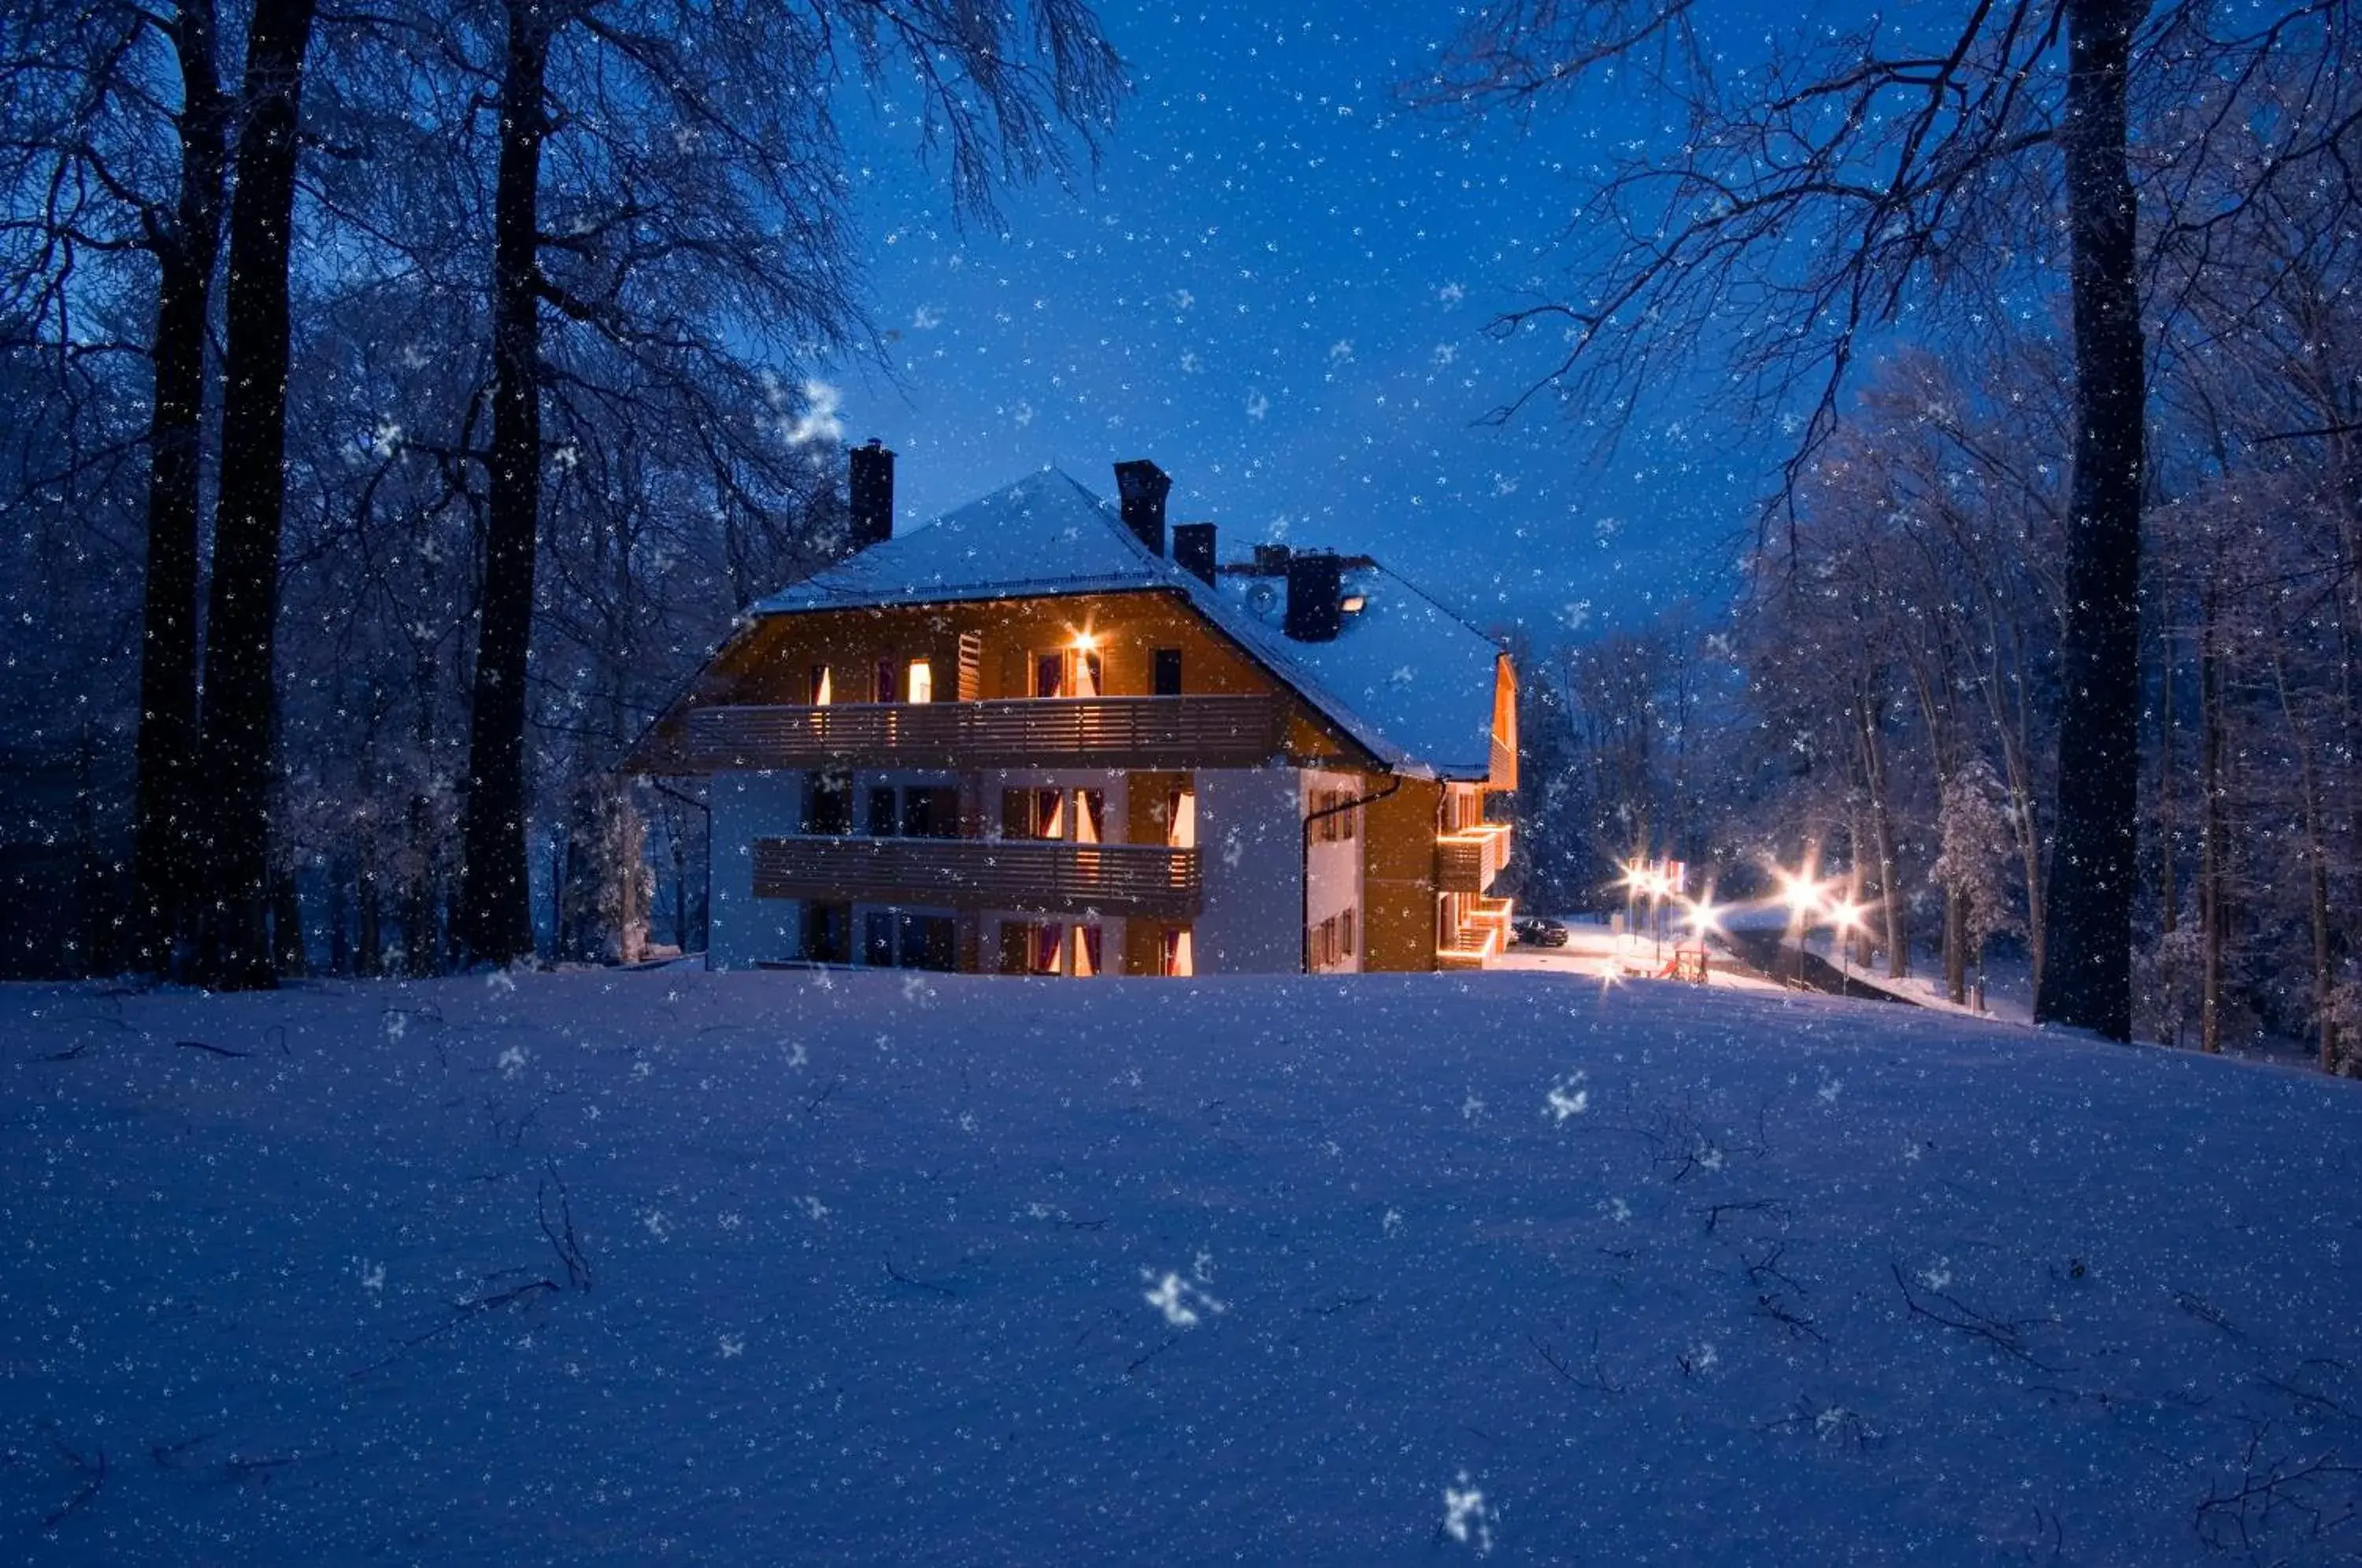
column 748, row 930
column 1250, row 847
column 1335, row 869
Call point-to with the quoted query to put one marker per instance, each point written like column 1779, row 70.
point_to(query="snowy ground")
column 792, row 1268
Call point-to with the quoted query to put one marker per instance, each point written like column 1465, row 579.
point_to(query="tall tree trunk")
column 234, row 736
column 164, row 845
column 2316, row 857
column 1956, row 945
column 2211, row 828
column 2168, row 897
column 1892, row 913
column 2087, row 971
column 495, row 920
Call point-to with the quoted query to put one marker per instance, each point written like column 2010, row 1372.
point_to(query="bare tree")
column 737, row 196
column 1808, row 199
column 240, row 709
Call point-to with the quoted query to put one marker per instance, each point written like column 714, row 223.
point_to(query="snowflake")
column 1174, row 1296
column 732, row 1346
column 1392, row 1222
column 512, row 1061
column 1465, row 1518
column 1567, row 1098
column 654, row 1221
column 819, row 421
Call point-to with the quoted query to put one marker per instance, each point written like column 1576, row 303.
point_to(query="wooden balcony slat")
column 1032, row 876
column 1108, row 732
column 1468, row 861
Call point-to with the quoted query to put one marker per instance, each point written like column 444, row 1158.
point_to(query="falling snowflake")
column 512, row 1062
column 1177, row 1298
column 1567, row 1098
column 819, row 421
column 1465, row 1518
column 731, row 1345
column 1392, row 1222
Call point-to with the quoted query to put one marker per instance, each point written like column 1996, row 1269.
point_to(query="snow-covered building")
column 1026, row 738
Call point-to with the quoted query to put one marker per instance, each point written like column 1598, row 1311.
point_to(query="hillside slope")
column 867, row 1269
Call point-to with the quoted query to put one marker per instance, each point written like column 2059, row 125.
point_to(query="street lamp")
column 1659, row 885
column 1803, row 896
column 1847, row 916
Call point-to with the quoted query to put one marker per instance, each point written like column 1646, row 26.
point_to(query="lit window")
column 821, row 694
column 1181, row 819
column 921, row 680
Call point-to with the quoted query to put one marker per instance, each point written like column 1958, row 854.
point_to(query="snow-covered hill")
column 804, row 1268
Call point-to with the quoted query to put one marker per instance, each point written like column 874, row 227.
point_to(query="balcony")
column 1468, row 860
column 1479, row 939
column 1036, row 876
column 1207, row 731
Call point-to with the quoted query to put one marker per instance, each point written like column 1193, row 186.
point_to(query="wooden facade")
column 1133, row 694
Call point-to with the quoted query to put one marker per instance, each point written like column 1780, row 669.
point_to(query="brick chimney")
column 873, row 494
column 1193, row 549
column 1313, row 610
column 1142, row 486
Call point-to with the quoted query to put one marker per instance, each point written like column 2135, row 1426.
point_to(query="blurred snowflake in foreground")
column 1465, row 1518
column 1178, row 1300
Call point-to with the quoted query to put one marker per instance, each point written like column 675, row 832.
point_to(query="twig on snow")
column 561, row 1234
column 901, row 1278
column 2004, row 1334
column 460, row 1312
column 94, row 1470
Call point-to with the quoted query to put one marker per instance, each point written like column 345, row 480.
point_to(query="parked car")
column 1533, row 930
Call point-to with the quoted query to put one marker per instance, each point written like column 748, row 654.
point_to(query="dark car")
column 1533, row 930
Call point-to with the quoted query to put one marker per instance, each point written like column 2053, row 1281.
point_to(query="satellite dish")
column 1263, row 598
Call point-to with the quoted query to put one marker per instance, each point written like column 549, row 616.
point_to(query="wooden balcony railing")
column 1505, row 766
column 1468, row 860
column 1034, row 876
column 1480, row 939
column 1208, row 731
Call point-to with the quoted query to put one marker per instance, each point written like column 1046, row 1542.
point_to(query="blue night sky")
column 1276, row 286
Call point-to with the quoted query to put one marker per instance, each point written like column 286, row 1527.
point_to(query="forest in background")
column 665, row 225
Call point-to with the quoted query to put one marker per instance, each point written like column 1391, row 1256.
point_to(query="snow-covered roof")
column 1405, row 676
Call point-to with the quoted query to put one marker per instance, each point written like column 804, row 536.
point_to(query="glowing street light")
column 1847, row 916
column 1802, row 897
